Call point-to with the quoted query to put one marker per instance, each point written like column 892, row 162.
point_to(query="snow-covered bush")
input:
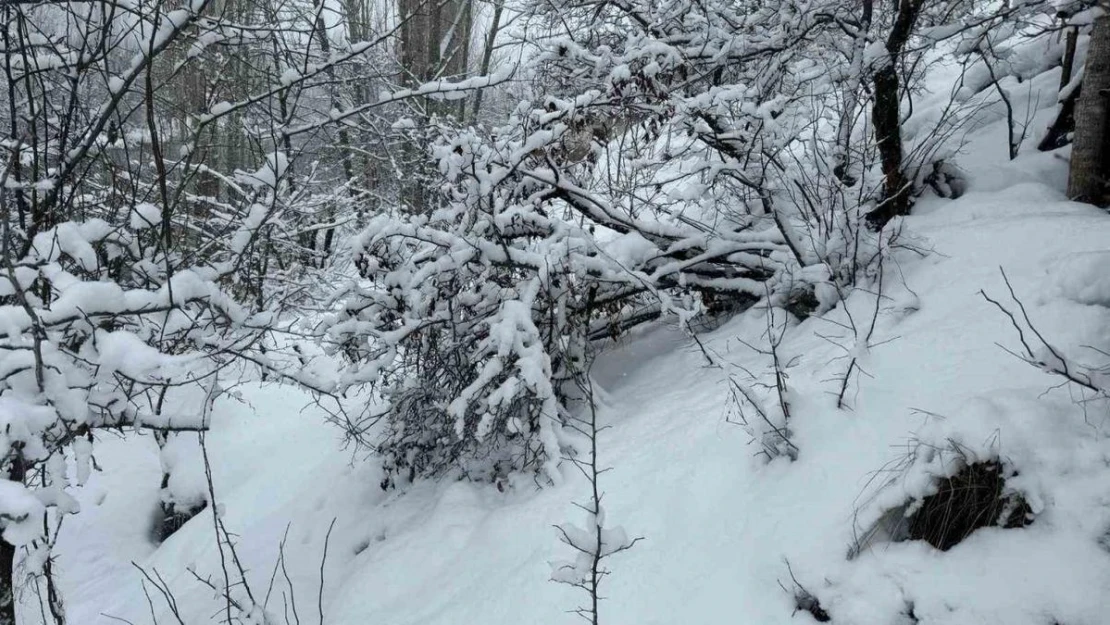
column 661, row 160
column 648, row 187
column 155, row 224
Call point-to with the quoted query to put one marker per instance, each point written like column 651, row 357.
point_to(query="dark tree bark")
column 886, row 119
column 1065, row 122
column 1089, row 179
column 1063, row 125
column 16, row 473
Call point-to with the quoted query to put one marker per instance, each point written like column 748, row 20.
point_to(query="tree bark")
column 886, row 119
column 1064, row 124
column 887, row 122
column 487, row 55
column 16, row 473
column 435, row 41
column 1068, row 63
column 1089, row 178
column 344, row 136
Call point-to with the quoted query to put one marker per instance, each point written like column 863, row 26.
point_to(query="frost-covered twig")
column 323, row 562
column 1037, row 351
column 163, row 589
column 777, row 441
column 862, row 343
column 596, row 541
column 771, row 447
column 803, row 598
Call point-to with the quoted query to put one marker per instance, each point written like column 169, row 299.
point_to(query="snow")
column 220, row 108
column 938, row 33
column 630, row 249
column 727, row 533
column 269, row 174
column 126, row 353
column 719, row 523
column 22, row 513
column 290, row 76
column 145, row 216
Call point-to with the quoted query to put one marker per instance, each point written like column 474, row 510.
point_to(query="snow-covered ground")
column 724, row 531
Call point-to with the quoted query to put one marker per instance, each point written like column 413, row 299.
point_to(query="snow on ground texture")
column 719, row 523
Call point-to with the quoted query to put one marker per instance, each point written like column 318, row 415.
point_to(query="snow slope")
column 719, row 523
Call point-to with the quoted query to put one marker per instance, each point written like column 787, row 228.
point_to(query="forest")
column 354, row 311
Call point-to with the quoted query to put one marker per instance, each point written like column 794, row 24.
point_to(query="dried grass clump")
column 974, row 497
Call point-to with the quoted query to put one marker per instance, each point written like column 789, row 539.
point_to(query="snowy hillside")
column 510, row 312
column 728, row 537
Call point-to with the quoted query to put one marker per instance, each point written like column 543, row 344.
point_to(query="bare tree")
column 434, row 44
column 163, row 169
column 886, row 114
column 597, row 540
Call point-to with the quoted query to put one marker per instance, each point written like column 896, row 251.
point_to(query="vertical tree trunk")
column 1067, row 66
column 435, row 41
column 7, row 585
column 16, row 473
column 1089, row 179
column 886, row 118
column 1064, row 124
column 344, row 136
column 416, row 47
column 487, row 54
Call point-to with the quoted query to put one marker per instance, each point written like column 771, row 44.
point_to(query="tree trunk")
column 1064, row 124
column 487, row 55
column 435, row 41
column 345, row 152
column 7, row 585
column 1067, row 66
column 1089, row 179
column 16, row 473
column 886, row 119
